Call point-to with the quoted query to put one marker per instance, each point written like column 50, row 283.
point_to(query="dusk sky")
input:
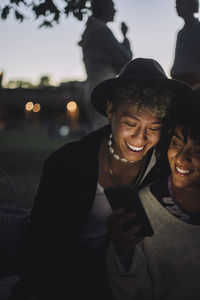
column 27, row 52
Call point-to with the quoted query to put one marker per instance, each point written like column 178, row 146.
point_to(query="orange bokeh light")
column 72, row 106
column 36, row 107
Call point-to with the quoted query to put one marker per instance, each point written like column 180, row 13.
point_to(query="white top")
column 94, row 229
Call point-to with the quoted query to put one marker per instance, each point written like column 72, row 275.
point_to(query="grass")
column 22, row 153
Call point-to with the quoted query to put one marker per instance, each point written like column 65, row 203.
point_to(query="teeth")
column 134, row 148
column 182, row 171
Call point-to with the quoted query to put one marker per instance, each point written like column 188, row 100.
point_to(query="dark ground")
column 22, row 153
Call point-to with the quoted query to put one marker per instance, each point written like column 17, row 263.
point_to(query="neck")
column 189, row 19
column 189, row 198
column 124, row 173
column 102, row 19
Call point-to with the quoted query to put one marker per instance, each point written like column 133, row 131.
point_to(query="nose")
column 183, row 156
column 140, row 136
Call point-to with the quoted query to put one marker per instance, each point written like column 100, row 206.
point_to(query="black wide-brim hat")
column 138, row 70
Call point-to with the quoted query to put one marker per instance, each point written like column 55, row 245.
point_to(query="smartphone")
column 127, row 197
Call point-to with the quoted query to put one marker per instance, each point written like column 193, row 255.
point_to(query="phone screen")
column 127, row 197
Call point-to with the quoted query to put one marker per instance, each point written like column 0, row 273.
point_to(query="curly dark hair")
column 153, row 98
column 184, row 114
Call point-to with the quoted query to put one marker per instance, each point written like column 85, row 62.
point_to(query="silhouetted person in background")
column 103, row 54
column 186, row 65
column 1, row 79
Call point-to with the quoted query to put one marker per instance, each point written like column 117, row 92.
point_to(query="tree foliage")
column 49, row 12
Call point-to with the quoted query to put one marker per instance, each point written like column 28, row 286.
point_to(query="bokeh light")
column 64, row 130
column 29, row 106
column 36, row 107
column 72, row 106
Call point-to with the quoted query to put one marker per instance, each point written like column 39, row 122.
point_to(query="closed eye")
column 131, row 124
column 176, row 144
column 155, row 129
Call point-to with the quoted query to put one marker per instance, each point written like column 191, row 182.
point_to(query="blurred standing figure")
column 186, row 65
column 103, row 54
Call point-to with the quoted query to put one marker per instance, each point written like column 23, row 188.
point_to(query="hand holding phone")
column 127, row 197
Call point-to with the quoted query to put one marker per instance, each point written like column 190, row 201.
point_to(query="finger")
column 136, row 240
column 129, row 234
column 124, row 219
column 114, row 216
column 117, row 226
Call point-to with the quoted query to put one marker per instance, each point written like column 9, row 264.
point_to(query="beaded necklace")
column 111, row 150
column 114, row 178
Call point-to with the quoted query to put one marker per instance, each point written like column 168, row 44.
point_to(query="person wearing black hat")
column 65, row 248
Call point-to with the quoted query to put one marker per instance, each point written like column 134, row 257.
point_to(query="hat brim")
column 103, row 91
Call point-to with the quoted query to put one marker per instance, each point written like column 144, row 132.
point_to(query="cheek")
column 155, row 139
column 197, row 164
column 119, row 134
column 123, row 131
column 170, row 154
column 170, row 160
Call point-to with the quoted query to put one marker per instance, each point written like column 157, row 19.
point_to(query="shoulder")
column 157, row 189
column 78, row 151
column 196, row 24
column 144, row 191
column 151, row 197
column 157, row 168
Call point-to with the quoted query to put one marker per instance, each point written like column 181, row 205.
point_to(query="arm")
column 125, row 42
column 119, row 53
column 135, row 283
column 49, row 231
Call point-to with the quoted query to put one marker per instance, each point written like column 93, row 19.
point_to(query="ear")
column 109, row 110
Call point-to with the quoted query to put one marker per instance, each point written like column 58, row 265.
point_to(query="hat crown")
column 145, row 71
column 142, row 67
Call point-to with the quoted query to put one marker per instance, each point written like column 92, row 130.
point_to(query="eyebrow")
column 127, row 114
column 180, row 138
column 176, row 135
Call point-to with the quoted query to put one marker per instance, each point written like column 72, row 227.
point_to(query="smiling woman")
column 137, row 117
column 134, row 133
column 184, row 156
column 184, row 159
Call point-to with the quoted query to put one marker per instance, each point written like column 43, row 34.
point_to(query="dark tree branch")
column 5, row 12
column 19, row 16
column 46, row 10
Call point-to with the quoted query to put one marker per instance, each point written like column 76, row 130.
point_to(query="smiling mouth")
column 134, row 148
column 182, row 171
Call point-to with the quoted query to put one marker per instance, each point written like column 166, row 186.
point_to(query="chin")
column 179, row 183
column 136, row 158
